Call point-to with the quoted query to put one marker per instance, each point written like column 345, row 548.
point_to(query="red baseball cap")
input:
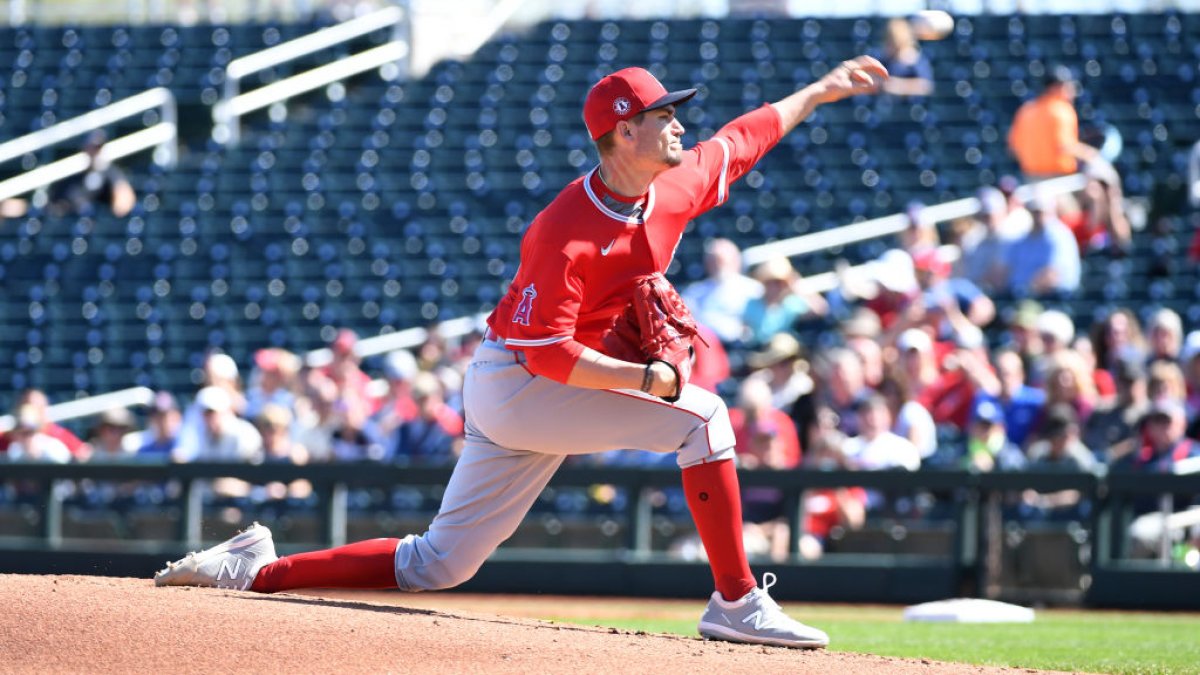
column 931, row 260
column 623, row 94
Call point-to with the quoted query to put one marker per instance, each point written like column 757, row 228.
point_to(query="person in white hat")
column 225, row 438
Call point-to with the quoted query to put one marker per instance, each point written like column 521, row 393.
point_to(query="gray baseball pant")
column 519, row 429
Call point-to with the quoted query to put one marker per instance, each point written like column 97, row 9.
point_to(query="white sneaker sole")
column 186, row 571
column 712, row 631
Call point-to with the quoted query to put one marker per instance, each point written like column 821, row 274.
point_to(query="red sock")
column 364, row 564
column 716, row 505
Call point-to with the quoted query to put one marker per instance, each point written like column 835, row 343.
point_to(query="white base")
column 968, row 610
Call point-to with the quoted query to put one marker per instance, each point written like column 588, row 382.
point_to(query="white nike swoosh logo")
column 604, row 250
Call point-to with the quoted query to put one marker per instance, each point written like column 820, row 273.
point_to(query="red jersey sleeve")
column 541, row 322
column 716, row 163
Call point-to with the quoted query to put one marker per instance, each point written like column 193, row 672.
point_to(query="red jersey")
column 579, row 257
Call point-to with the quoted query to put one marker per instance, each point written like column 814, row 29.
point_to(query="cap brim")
column 672, row 98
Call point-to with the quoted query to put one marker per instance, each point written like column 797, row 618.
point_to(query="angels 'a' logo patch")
column 621, row 105
column 525, row 307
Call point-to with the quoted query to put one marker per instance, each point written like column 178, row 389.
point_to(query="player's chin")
column 673, row 157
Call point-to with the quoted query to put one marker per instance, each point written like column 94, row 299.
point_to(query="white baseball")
column 931, row 24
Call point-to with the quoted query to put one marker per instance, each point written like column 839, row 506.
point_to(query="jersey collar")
column 593, row 186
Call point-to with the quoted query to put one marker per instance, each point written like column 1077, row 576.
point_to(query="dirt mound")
column 75, row 624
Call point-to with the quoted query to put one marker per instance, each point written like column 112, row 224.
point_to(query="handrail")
column 885, row 225
column 92, row 405
column 401, row 339
column 234, row 104
column 159, row 97
column 79, row 162
column 306, row 44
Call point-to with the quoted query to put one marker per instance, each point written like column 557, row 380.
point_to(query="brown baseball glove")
column 656, row 326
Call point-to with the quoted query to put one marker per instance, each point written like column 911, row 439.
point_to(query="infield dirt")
column 80, row 624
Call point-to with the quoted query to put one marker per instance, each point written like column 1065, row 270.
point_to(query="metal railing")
column 92, row 405
column 888, row 225
column 163, row 136
column 234, row 104
column 976, row 527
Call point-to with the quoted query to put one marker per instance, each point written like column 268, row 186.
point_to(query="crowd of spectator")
column 924, row 371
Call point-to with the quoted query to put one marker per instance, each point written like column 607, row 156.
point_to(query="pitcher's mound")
column 76, row 624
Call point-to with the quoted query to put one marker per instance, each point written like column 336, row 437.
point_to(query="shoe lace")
column 769, row 580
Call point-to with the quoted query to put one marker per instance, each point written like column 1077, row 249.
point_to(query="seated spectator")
column 1044, row 136
column 434, row 436
column 1022, row 404
column 910, row 74
column 28, row 442
column 1166, row 381
column 965, row 372
column 102, row 183
column 988, row 447
column 220, row 371
column 839, row 388
column 40, row 406
column 1059, row 450
column 162, row 432
column 107, row 438
column 827, row 509
column 861, row 335
column 344, row 371
column 1165, row 335
column 1099, row 223
column 273, row 382
column 917, row 362
column 1045, row 262
column 1113, row 427
column 1106, row 387
column 940, row 289
column 1068, row 382
column 1055, row 332
column 763, row 435
column 782, row 303
column 784, row 370
column 350, row 441
column 397, row 406
column 1023, row 336
column 1118, row 337
column 1163, row 443
column 226, row 436
column 719, row 300
column 316, row 418
column 274, row 423
column 876, row 447
column 1059, row 447
column 911, row 419
column 985, row 246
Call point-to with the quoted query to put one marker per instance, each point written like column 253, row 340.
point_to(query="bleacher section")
column 383, row 205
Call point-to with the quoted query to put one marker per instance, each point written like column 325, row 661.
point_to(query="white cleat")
column 231, row 565
column 757, row 619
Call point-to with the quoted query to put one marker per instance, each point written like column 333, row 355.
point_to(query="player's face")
column 660, row 138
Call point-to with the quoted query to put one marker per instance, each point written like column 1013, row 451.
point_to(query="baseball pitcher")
column 588, row 351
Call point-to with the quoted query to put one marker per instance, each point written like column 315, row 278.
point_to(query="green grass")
column 1094, row 642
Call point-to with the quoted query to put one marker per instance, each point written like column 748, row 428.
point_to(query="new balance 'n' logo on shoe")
column 757, row 619
column 233, row 564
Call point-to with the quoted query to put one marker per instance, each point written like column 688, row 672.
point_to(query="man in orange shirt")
column 1045, row 140
column 1045, row 132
